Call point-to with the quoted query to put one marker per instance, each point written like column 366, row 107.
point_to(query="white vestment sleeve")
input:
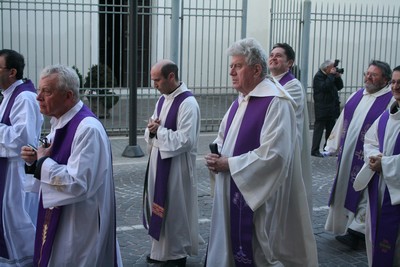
column 371, row 148
column 149, row 141
column 25, row 120
column 296, row 91
column 391, row 176
column 333, row 142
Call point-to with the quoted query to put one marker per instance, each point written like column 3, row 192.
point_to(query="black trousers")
column 319, row 127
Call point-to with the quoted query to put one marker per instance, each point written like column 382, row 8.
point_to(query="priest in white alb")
column 280, row 63
column 346, row 215
column 380, row 178
column 260, row 214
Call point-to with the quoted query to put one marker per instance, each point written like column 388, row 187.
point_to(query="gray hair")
column 67, row 78
column 384, row 67
column 326, row 63
column 252, row 50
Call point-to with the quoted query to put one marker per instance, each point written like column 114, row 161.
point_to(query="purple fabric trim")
column 48, row 219
column 349, row 109
column 377, row 108
column 241, row 215
column 382, row 129
column 26, row 86
column 160, row 104
column 231, row 115
column 384, row 225
column 287, row 78
column 163, row 168
column 146, row 209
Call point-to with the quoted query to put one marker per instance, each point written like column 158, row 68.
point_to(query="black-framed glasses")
column 373, row 75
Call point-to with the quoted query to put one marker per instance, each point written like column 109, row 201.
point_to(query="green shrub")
column 99, row 80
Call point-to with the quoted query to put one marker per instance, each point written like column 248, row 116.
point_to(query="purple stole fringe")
column 384, row 222
column 247, row 140
column 48, row 218
column 287, row 78
column 26, row 86
column 163, row 169
column 377, row 108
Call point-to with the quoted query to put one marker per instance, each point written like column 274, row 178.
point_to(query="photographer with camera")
column 326, row 84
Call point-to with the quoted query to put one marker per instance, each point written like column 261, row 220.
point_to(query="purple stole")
column 48, row 218
column 286, row 78
column 163, row 168
column 248, row 139
column 26, row 86
column 384, row 222
column 377, row 108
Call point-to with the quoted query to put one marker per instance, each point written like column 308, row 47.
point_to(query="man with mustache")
column 346, row 206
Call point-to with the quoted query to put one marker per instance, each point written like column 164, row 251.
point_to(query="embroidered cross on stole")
column 379, row 106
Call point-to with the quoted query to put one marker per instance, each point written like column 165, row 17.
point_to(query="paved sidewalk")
column 135, row 243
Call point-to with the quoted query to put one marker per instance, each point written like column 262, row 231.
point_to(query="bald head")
column 167, row 67
column 165, row 76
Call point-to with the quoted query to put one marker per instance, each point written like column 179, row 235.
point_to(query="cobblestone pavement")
column 135, row 243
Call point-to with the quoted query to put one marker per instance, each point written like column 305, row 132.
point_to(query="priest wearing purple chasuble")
column 170, row 190
column 20, row 124
column 346, row 215
column 260, row 213
column 380, row 178
column 74, row 177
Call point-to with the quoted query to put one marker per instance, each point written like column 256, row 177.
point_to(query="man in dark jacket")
column 326, row 84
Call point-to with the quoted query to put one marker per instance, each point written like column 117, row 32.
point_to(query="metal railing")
column 352, row 33
column 90, row 34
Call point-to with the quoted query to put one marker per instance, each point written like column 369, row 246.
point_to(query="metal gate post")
column 175, row 31
column 133, row 150
column 305, row 44
column 244, row 19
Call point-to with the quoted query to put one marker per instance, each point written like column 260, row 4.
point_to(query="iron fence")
column 93, row 37
column 353, row 33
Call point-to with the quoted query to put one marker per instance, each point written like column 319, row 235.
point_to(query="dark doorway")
column 114, row 39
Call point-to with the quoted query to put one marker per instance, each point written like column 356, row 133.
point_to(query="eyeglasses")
column 373, row 75
column 4, row 68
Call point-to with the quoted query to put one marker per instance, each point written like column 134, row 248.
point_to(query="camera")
column 338, row 70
